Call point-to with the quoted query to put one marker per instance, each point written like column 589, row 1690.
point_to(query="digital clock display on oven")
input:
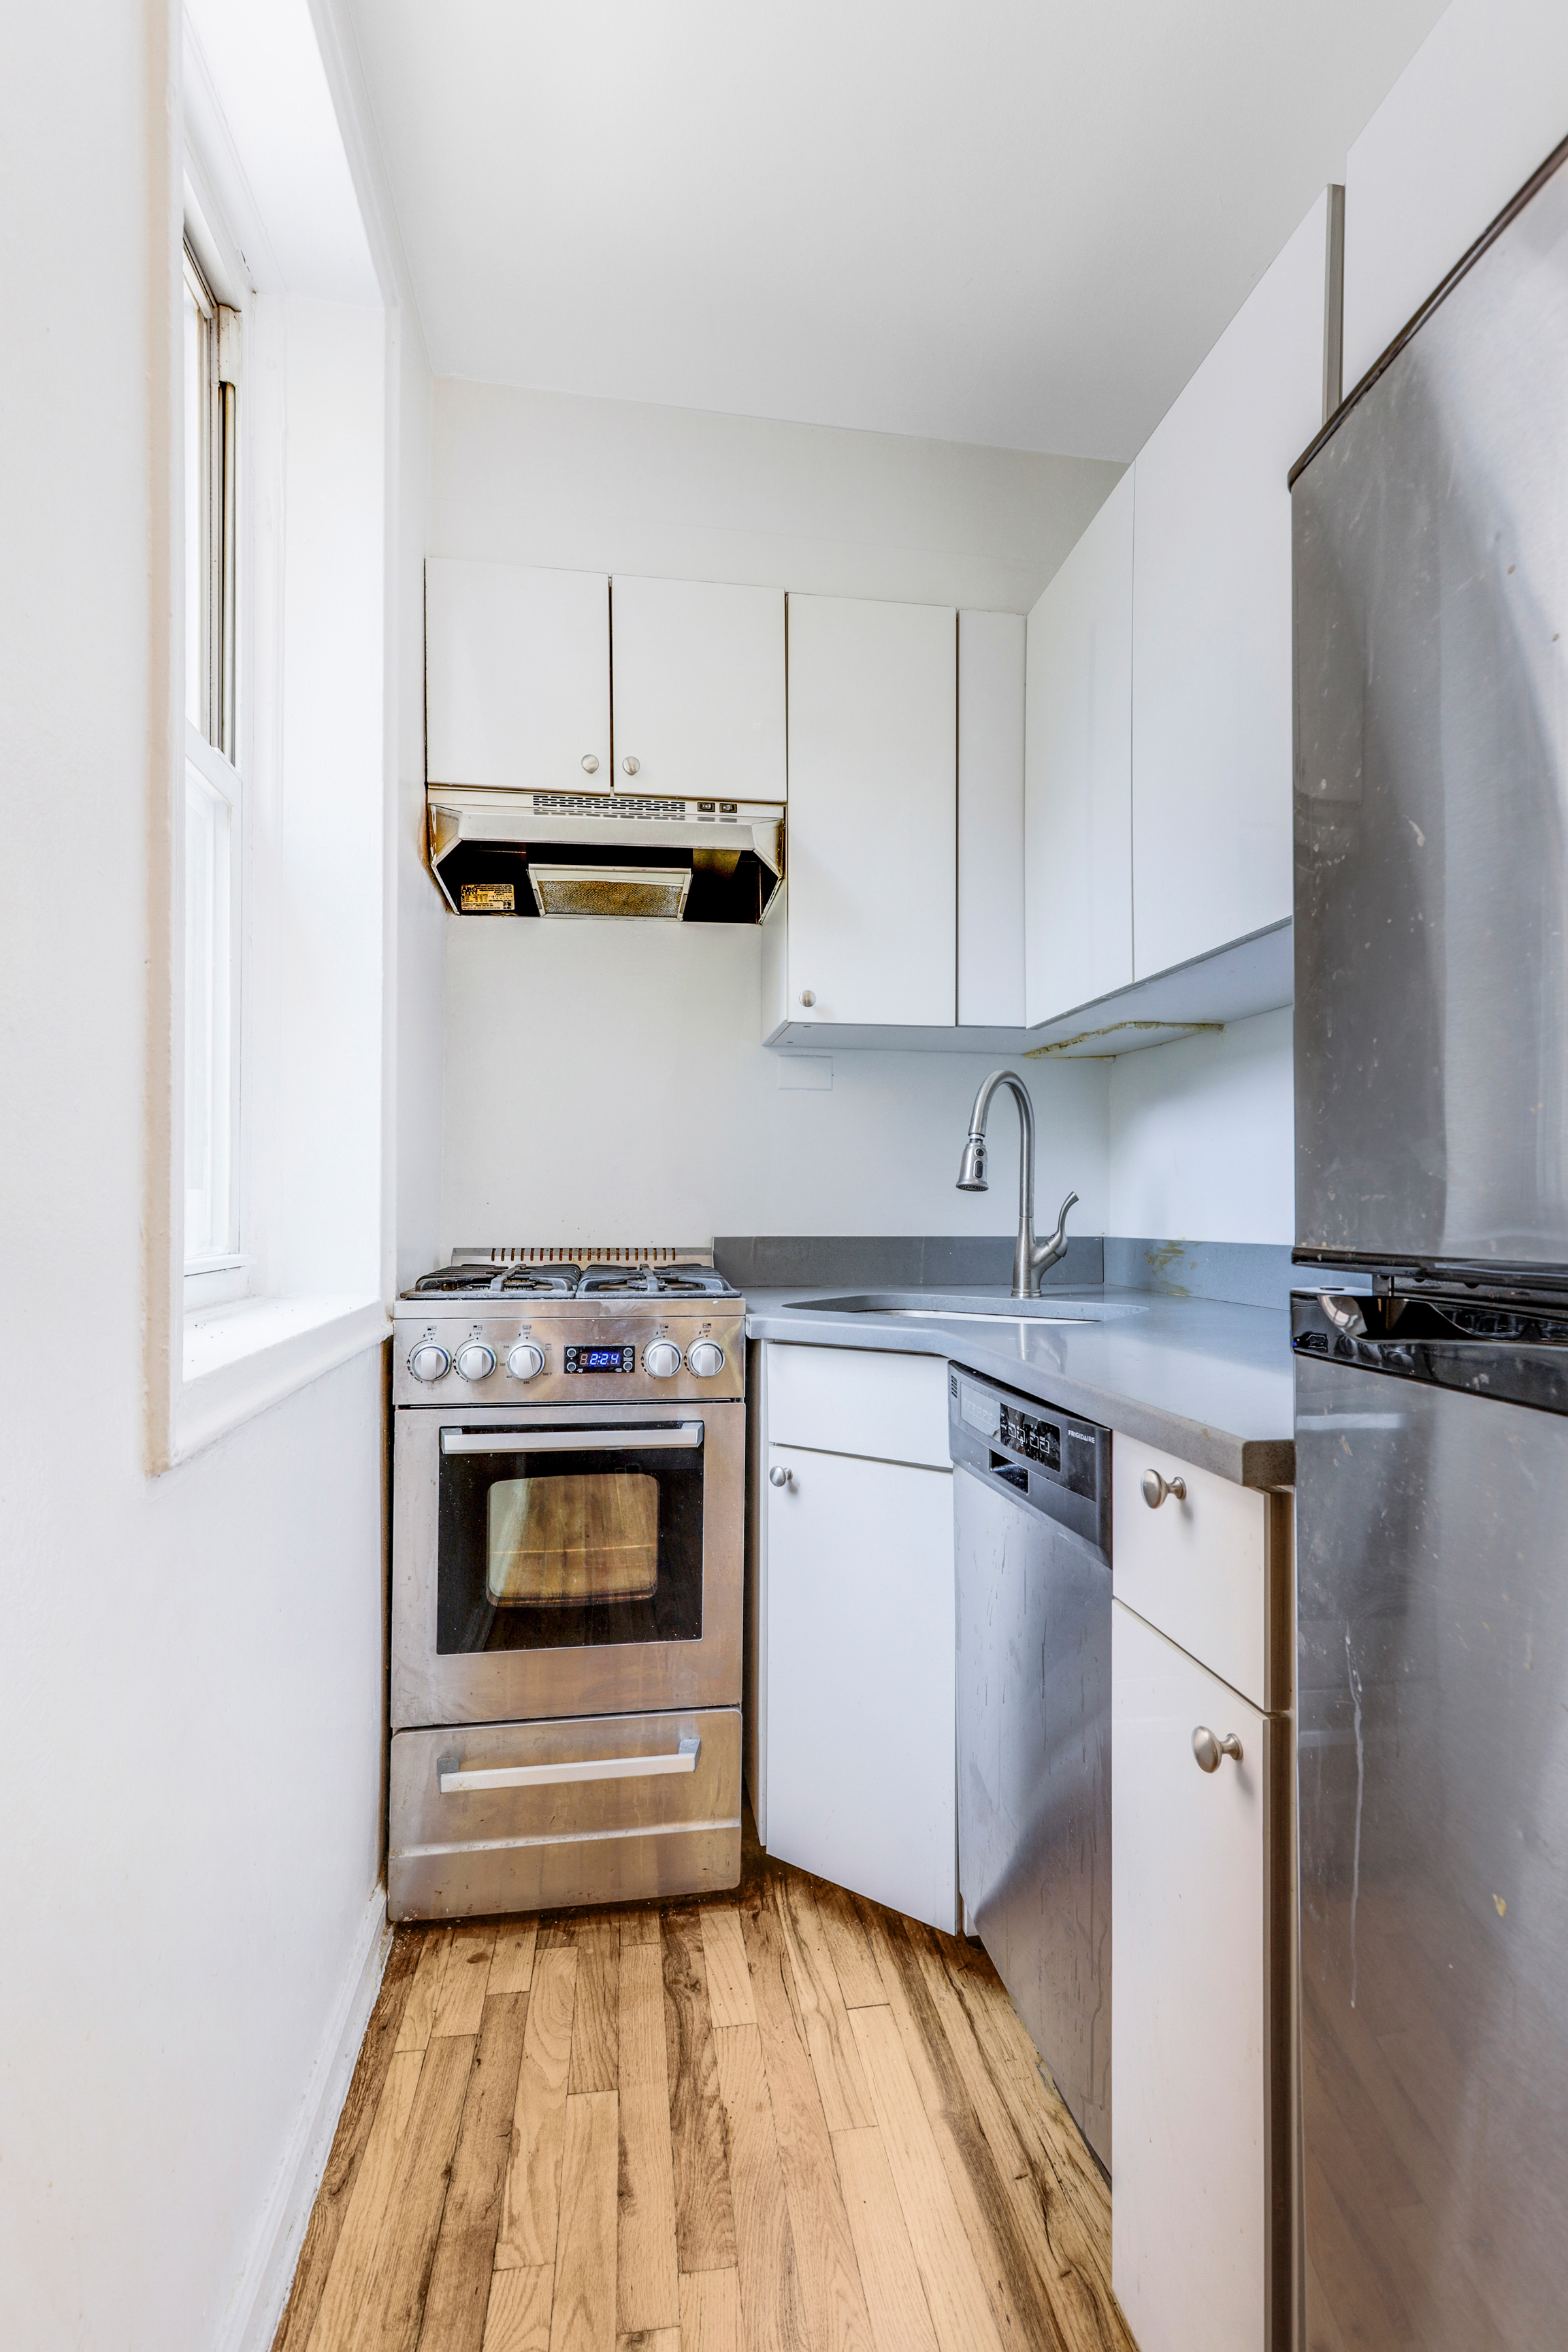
column 599, row 1360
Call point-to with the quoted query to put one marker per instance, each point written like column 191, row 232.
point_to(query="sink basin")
column 966, row 1306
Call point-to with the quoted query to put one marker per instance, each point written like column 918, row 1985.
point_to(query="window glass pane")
column 196, row 504
column 208, row 1120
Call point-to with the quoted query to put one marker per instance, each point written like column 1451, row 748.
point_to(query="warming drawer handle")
column 457, row 1779
column 567, row 1441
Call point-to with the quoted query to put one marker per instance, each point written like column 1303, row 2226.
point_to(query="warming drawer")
column 602, row 1809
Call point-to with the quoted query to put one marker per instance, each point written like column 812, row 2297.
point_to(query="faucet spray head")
column 972, row 1167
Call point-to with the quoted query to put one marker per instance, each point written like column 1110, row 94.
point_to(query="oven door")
column 575, row 1561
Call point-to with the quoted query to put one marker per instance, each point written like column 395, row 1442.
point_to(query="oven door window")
column 549, row 1549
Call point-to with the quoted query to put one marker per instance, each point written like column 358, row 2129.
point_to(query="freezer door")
column 1433, row 1789
column 1034, row 1780
column 1431, row 810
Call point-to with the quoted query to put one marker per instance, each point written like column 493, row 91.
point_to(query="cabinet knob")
column 1155, row 1490
column 1209, row 1749
column 778, row 1476
column 629, row 766
column 590, row 761
column 808, row 996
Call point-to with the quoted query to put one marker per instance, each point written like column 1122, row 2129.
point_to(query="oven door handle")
column 457, row 1780
column 568, row 1440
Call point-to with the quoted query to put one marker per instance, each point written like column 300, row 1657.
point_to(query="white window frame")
column 216, row 1262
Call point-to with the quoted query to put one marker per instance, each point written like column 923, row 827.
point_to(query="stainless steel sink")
column 966, row 1306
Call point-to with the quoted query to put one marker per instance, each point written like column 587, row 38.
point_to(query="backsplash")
column 1248, row 1274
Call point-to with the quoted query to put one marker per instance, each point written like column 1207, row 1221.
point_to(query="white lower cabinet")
column 860, row 1677
column 1196, row 2240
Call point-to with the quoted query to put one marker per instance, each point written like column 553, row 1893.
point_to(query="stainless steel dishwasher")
column 1032, row 1522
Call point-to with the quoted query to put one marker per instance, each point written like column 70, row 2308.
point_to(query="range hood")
column 627, row 855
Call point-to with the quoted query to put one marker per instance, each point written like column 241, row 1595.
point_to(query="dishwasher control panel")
column 1055, row 1461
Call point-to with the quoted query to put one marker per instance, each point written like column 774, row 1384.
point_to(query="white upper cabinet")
column 1078, row 793
column 517, row 670
column 700, row 689
column 1479, row 107
column 1211, row 617
column 991, row 820
column 873, row 788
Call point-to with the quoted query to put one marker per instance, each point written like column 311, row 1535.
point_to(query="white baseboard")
column 256, row 2305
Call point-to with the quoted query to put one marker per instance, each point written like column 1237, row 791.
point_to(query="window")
column 214, row 804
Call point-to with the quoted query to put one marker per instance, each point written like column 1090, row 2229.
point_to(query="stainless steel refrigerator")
column 1431, row 586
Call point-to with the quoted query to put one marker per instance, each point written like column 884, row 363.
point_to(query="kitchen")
column 1076, row 672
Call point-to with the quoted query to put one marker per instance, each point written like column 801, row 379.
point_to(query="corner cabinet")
column 873, row 811
column 1202, row 1921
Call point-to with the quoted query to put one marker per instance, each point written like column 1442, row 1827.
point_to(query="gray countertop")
column 1195, row 1377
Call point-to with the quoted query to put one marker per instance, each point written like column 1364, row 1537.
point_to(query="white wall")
column 1201, row 1137
column 191, row 1670
column 610, row 485
column 604, row 1083
column 600, row 1078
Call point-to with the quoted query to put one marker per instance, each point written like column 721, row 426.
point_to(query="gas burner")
column 495, row 1282
column 652, row 1282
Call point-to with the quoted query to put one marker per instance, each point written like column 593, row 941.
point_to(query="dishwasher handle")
column 459, row 1780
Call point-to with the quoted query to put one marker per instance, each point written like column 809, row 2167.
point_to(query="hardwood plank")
column 583, row 2314
column 704, row 2209
column 772, row 2310
column 518, row 2319
column 647, row 2293
column 459, row 2293
column 643, row 2058
column 350, row 2141
column 1045, row 2250
column 419, row 2009
column 531, row 2195
column 650, row 2339
column 393, row 2302
column 724, row 1952
column 854, row 1963
column 710, row 2311
column 1037, row 2294
column 641, row 1926
column 512, row 1962
column 338, row 2306
column 596, row 2065
column 955, row 2291
column 460, row 2007
column 845, row 2101
column 834, row 2301
column 900, row 2321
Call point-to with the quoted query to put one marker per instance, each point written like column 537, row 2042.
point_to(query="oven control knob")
column 662, row 1358
column 526, row 1361
column 705, row 1358
column 429, row 1362
column 476, row 1361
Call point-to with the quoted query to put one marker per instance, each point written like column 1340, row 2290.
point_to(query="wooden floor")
column 786, row 2121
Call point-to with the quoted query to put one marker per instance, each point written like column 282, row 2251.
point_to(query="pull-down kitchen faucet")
column 1031, row 1257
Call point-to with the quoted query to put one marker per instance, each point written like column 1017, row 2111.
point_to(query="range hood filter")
column 644, row 893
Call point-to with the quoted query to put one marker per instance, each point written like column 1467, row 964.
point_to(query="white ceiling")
column 1020, row 222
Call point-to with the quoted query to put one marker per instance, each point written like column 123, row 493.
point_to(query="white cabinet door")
column 873, row 791
column 991, row 819
column 860, row 1670
column 700, row 689
column 1211, row 620
column 1479, row 107
column 517, row 677
column 1077, row 771
column 1189, row 2220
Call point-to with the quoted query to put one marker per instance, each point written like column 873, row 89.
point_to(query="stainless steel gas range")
column 569, row 1475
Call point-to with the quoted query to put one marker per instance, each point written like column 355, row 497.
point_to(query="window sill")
column 242, row 1358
